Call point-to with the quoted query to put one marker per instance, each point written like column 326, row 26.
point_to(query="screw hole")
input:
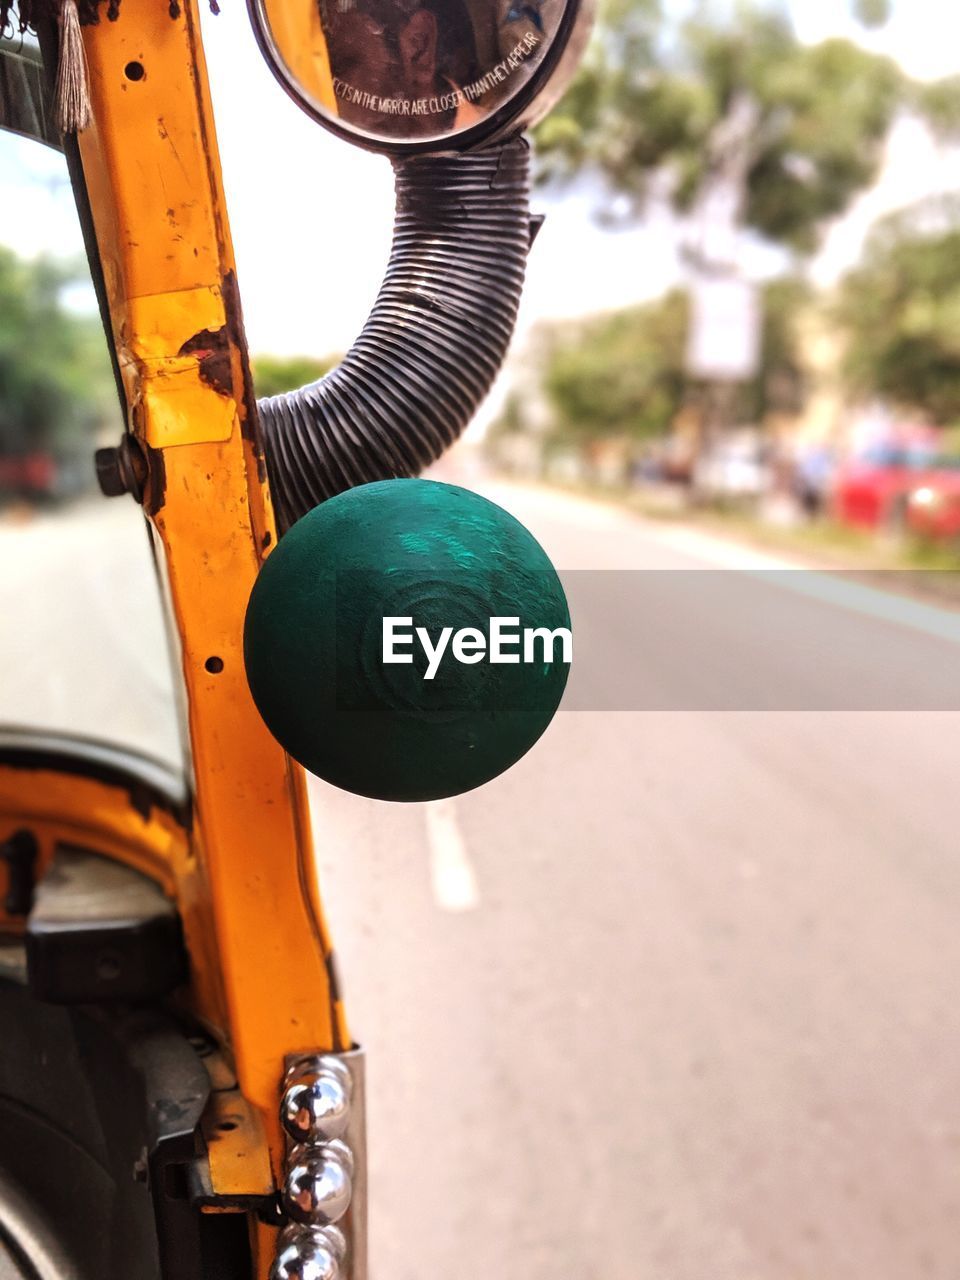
column 214, row 665
column 134, row 71
column 108, row 966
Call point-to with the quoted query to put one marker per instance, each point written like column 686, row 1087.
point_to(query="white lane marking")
column 882, row 606
column 827, row 586
column 451, row 872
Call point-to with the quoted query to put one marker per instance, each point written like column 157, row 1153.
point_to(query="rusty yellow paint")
column 154, row 182
column 237, row 1155
column 179, row 406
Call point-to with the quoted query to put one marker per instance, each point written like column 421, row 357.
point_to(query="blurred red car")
column 28, row 475
column 872, row 490
column 933, row 505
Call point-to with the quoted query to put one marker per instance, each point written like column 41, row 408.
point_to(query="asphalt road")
column 83, row 646
column 676, row 997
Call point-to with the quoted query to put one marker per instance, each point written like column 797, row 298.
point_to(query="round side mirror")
column 402, row 76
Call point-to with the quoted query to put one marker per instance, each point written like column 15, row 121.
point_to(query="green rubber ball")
column 443, row 718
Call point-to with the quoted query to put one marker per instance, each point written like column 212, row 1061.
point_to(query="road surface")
column 675, row 998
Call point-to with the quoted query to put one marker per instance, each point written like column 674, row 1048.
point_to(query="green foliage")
column 939, row 103
column 272, row 375
column 620, row 374
column 826, row 111
column 55, row 375
column 900, row 311
column 624, row 374
column 654, row 96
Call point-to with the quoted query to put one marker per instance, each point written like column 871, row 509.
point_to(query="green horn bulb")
column 313, row 640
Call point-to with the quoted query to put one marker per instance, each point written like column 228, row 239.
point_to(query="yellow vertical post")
column 152, row 169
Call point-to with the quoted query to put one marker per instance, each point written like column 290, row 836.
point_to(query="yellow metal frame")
column 243, row 873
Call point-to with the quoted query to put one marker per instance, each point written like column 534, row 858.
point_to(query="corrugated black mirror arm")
column 433, row 344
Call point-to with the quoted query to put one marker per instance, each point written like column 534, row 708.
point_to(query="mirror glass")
column 396, row 71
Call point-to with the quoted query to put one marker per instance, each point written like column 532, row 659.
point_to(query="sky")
column 311, row 215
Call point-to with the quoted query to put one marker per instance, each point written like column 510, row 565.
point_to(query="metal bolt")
column 122, row 469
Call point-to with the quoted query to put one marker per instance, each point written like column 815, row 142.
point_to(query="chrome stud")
column 305, row 1253
column 332, row 1238
column 318, row 1186
column 321, row 1110
column 316, row 1106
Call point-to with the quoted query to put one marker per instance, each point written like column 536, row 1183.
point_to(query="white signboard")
column 723, row 344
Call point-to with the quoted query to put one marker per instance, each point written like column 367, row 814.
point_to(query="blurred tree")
column 55, row 376
column 781, row 384
column 939, row 103
column 624, row 374
column 900, row 312
column 727, row 115
column 272, row 375
column 618, row 375
column 511, row 420
column 800, row 128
